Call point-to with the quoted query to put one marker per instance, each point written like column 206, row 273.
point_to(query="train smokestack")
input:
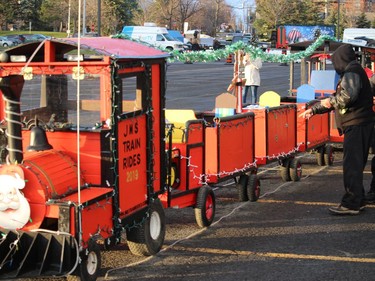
column 11, row 87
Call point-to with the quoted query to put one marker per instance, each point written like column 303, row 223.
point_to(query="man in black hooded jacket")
column 354, row 116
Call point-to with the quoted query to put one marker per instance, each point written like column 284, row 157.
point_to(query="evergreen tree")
column 117, row 13
column 53, row 15
column 362, row 21
column 29, row 14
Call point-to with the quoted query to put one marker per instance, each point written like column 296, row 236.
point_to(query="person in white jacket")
column 252, row 76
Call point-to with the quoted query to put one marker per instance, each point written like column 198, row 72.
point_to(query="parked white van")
column 359, row 36
column 154, row 35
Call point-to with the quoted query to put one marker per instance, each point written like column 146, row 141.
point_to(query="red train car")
column 204, row 153
column 276, row 139
column 313, row 134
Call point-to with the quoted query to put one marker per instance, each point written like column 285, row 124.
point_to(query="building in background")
column 349, row 7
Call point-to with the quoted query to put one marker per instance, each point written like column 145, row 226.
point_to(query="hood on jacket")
column 342, row 57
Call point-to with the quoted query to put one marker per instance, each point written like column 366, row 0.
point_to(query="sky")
column 239, row 5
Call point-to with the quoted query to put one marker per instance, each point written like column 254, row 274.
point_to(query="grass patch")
column 47, row 33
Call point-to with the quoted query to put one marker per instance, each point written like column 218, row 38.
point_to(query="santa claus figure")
column 14, row 208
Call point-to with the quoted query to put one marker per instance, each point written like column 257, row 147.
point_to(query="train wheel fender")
column 295, row 169
column 328, row 155
column 205, row 206
column 253, row 188
column 90, row 262
column 242, row 188
column 148, row 238
column 284, row 170
column 320, row 156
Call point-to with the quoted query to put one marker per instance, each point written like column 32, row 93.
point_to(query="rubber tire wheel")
column 295, row 169
column 328, row 155
column 148, row 238
column 90, row 262
column 320, row 156
column 284, row 170
column 253, row 188
column 205, row 206
column 242, row 188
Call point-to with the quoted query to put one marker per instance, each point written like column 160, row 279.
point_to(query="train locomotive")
column 83, row 160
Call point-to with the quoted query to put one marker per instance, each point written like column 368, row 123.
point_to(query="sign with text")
column 132, row 162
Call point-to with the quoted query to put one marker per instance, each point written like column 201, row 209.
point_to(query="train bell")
column 38, row 140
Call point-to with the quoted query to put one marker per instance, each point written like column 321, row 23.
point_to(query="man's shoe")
column 370, row 197
column 341, row 210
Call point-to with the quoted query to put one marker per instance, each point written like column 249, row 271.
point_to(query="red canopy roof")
column 115, row 47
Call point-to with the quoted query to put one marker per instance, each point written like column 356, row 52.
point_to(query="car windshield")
column 237, row 38
column 168, row 37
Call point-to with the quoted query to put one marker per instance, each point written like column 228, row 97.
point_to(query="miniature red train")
column 89, row 152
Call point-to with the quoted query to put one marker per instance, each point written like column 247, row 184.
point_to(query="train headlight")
column 18, row 58
column 74, row 57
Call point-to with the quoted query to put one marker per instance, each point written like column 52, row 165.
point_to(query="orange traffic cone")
column 229, row 58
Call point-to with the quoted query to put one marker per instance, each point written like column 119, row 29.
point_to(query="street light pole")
column 338, row 20
column 99, row 16
column 84, row 18
column 244, row 17
column 68, row 29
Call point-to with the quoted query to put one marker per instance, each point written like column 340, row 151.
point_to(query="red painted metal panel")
column 195, row 152
column 275, row 132
column 313, row 132
column 89, row 146
column 48, row 174
column 133, row 166
column 211, row 151
column 97, row 212
column 156, row 128
column 230, row 147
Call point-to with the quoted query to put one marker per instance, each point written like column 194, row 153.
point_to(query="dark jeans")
column 253, row 94
column 372, row 185
column 357, row 140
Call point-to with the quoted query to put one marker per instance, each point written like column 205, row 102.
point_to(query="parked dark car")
column 219, row 44
column 87, row 34
column 34, row 37
column 16, row 37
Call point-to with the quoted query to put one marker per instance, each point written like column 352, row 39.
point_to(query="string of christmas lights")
column 255, row 52
column 204, row 179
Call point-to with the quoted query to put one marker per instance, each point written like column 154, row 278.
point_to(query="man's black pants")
column 357, row 140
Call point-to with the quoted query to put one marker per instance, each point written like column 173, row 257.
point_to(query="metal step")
column 36, row 254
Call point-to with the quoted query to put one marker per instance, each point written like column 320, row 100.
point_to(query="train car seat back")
column 270, row 99
column 225, row 105
column 179, row 117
